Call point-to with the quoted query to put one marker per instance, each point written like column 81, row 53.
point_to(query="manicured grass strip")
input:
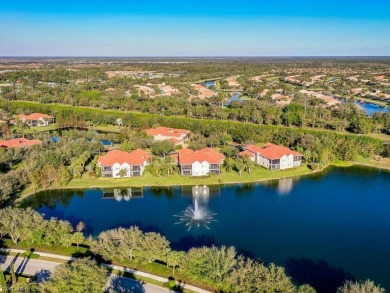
column 67, row 251
column 257, row 174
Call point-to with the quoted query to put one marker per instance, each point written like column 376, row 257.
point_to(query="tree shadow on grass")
column 319, row 274
column 3, row 244
column 120, row 284
column 26, row 259
column 3, row 251
column 42, row 276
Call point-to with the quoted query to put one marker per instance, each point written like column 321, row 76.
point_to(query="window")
column 297, row 158
column 186, row 167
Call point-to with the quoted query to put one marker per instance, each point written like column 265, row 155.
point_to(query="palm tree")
column 169, row 165
column 122, row 172
column 229, row 164
column 239, row 165
column 249, row 164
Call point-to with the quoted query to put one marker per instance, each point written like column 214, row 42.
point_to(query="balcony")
column 186, row 167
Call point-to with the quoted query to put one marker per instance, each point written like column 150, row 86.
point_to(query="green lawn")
column 258, row 174
column 102, row 128
column 107, row 128
column 68, row 251
column 155, row 268
column 37, row 129
column 381, row 136
column 377, row 162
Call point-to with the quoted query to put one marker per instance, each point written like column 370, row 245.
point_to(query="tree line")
column 51, row 164
column 29, row 226
column 343, row 146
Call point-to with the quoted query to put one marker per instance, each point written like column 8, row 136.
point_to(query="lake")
column 371, row 108
column 209, row 83
column 322, row 228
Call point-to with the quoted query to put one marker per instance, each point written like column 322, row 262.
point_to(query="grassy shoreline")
column 257, row 175
column 147, row 180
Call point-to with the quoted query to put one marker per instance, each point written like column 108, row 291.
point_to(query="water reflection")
column 283, row 186
column 51, row 199
column 123, row 194
column 198, row 214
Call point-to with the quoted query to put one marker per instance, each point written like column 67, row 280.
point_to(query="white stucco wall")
column 117, row 167
column 159, row 137
column 286, row 162
column 200, row 169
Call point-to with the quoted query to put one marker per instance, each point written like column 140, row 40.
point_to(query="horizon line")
column 197, row 56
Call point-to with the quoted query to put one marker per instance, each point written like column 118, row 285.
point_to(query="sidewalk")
column 113, row 267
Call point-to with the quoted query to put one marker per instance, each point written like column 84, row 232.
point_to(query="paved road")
column 43, row 269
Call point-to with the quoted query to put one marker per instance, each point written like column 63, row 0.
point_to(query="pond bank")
column 257, row 175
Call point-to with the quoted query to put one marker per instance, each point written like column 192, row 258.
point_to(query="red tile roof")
column 134, row 158
column 19, row 142
column 246, row 153
column 272, row 151
column 165, row 131
column 253, row 148
column 188, row 157
column 35, row 116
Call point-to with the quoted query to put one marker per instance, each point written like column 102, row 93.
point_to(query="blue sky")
column 195, row 28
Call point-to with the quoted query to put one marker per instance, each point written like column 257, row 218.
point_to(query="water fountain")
column 198, row 214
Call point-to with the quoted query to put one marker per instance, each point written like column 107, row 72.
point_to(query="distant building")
column 177, row 136
column 145, row 90
column 36, row 119
column 281, row 100
column 167, row 90
column 199, row 163
column 19, row 142
column 132, row 164
column 272, row 156
column 203, row 92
